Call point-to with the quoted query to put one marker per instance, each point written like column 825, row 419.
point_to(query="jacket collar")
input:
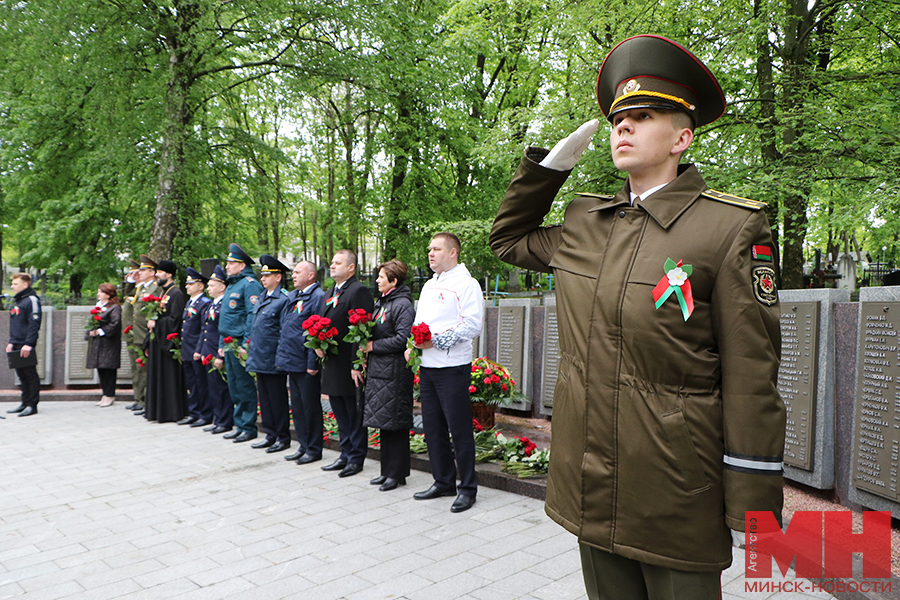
column 669, row 203
column 29, row 291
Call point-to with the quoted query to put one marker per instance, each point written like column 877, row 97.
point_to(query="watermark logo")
column 822, row 543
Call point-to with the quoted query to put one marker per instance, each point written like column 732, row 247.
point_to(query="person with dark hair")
column 667, row 422
column 262, row 348
column 199, row 408
column 105, row 341
column 389, row 382
column 339, row 379
column 166, row 392
column 24, row 327
column 301, row 363
column 452, row 305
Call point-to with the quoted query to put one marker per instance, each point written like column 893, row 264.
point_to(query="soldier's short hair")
column 23, row 276
column 450, row 239
column 350, row 254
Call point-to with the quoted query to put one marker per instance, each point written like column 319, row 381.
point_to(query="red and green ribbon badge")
column 381, row 316
column 299, row 307
column 332, row 302
column 676, row 281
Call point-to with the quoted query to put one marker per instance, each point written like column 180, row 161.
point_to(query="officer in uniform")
column 146, row 286
column 301, row 363
column 128, row 285
column 271, row 382
column 208, row 354
column 667, row 423
column 199, row 408
column 241, row 296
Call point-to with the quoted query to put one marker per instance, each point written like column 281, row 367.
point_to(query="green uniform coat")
column 665, row 431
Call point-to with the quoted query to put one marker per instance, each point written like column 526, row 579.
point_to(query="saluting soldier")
column 667, row 423
column 271, row 382
column 208, row 352
column 198, row 405
column 128, row 286
column 241, row 296
column 146, row 286
column 166, row 392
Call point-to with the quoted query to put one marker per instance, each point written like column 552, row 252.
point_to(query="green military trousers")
column 612, row 577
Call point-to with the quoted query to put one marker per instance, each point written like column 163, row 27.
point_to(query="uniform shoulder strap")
column 596, row 196
column 734, row 200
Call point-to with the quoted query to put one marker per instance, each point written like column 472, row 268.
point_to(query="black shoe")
column 15, row 410
column 462, row 503
column 263, row 444
column 210, row 428
column 232, row 435
column 295, row 455
column 200, row 423
column 433, row 492
column 391, row 484
column 337, row 465
column 219, row 429
column 277, row 447
column 139, row 413
column 244, row 437
column 137, row 407
column 350, row 470
column 379, row 480
column 133, row 406
column 28, row 411
column 186, row 421
column 308, row 458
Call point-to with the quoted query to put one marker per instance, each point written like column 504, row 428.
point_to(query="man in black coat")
column 339, row 379
column 198, row 405
column 301, row 363
column 24, row 326
column 166, row 393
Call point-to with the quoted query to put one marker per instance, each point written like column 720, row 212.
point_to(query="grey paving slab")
column 110, row 506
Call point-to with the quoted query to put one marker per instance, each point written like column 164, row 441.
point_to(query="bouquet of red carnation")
column 151, row 306
column 176, row 345
column 95, row 321
column 360, row 332
column 491, row 383
column 421, row 333
column 320, row 335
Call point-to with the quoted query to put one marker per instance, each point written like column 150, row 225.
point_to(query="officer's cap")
column 237, row 254
column 194, row 276
column 147, row 263
column 133, row 264
column 649, row 71
column 168, row 266
column 270, row 264
column 219, row 275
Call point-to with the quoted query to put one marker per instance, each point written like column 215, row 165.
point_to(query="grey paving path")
column 96, row 503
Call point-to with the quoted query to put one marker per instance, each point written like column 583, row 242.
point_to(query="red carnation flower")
column 487, row 380
column 322, row 337
column 95, row 310
column 477, row 426
column 354, row 318
column 97, row 317
column 504, row 387
column 228, row 339
column 171, row 336
column 325, row 321
column 127, row 329
column 332, row 332
column 488, row 371
column 472, row 389
column 495, row 379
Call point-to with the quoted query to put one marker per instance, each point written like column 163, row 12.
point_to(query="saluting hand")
column 566, row 153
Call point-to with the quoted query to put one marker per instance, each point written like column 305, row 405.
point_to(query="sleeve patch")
column 764, row 288
column 763, row 253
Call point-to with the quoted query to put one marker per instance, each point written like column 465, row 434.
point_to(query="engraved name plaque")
column 551, row 358
column 797, row 380
column 877, row 436
column 511, row 339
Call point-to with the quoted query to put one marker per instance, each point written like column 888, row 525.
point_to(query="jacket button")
column 622, row 214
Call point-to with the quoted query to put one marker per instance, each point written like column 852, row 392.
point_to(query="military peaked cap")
column 270, row 264
column 219, row 275
column 194, row 276
column 147, row 262
column 237, row 254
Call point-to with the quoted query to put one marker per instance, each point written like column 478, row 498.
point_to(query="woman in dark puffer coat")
column 105, row 349
column 389, row 382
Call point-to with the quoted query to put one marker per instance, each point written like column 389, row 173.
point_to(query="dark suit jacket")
column 336, row 380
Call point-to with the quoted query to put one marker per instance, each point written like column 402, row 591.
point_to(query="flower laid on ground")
column 329, row 426
column 374, row 438
column 537, row 463
column 491, row 383
column 360, row 332
column 518, row 453
column 320, row 335
column 420, row 334
column 417, row 443
column 176, row 345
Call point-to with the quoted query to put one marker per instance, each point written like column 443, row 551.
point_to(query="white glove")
column 566, row 152
column 738, row 539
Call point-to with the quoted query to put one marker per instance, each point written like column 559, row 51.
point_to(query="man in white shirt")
column 452, row 306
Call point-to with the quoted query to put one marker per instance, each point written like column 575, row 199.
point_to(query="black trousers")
column 198, row 403
column 273, row 406
column 107, row 381
column 31, row 385
column 350, row 428
column 306, row 408
column 219, row 399
column 395, row 453
column 446, row 411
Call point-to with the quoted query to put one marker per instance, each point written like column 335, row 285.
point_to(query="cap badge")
column 632, row 86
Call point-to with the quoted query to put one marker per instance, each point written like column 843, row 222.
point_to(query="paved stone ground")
column 97, row 503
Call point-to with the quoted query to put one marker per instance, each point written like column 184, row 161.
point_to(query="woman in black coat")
column 389, row 382
column 105, row 348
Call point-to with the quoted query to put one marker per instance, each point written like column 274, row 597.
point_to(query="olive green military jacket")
column 665, row 429
column 139, row 319
column 127, row 310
